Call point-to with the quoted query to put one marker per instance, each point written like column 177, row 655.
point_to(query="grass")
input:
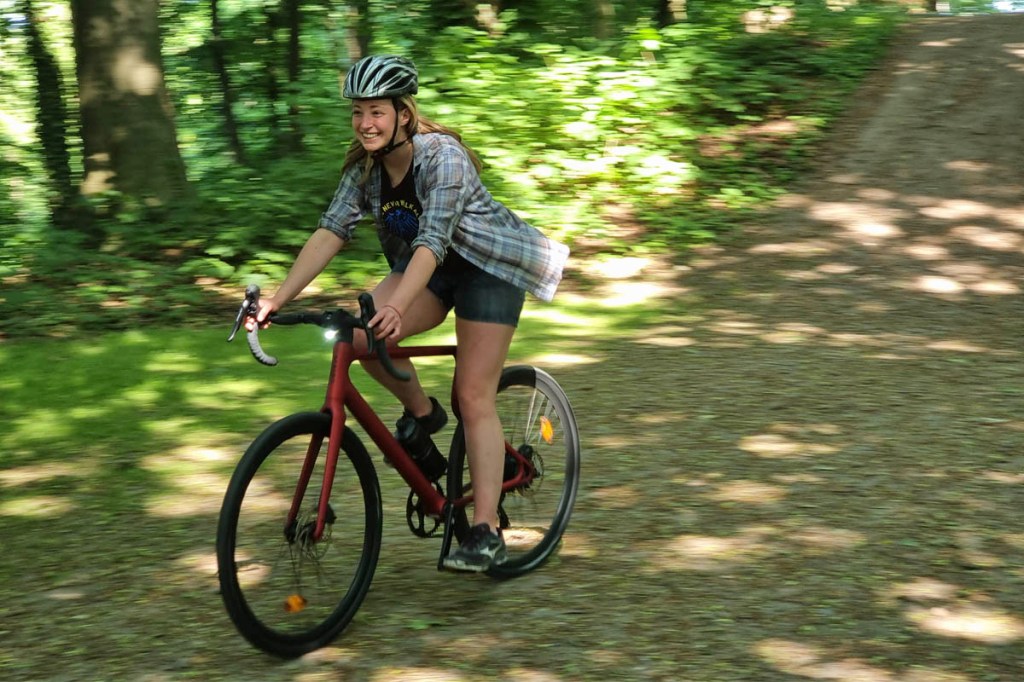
column 117, row 451
column 735, row 522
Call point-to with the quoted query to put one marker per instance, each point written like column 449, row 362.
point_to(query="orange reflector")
column 294, row 603
column 547, row 431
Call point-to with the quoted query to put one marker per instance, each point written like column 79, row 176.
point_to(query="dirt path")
column 848, row 459
column 809, row 467
column 839, row 409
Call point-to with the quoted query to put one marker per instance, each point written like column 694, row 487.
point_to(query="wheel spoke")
column 287, row 593
column 539, row 423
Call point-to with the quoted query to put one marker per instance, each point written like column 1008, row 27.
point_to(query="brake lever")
column 247, row 309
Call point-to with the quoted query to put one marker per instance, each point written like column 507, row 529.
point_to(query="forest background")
column 158, row 155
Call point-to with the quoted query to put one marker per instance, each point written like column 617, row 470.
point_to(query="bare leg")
column 425, row 313
column 483, row 347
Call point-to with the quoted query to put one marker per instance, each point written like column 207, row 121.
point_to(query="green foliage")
column 643, row 139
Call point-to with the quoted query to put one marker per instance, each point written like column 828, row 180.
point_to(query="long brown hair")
column 418, row 123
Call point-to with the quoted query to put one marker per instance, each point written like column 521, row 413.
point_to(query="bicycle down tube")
column 342, row 396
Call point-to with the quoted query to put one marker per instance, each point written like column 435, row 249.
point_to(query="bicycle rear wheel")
column 538, row 422
column 286, row 593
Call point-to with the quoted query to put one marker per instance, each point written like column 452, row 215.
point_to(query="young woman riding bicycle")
column 450, row 244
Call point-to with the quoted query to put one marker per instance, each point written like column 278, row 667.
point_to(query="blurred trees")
column 204, row 137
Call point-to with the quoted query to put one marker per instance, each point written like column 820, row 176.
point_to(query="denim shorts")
column 476, row 295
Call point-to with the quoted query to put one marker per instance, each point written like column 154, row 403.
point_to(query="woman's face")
column 373, row 121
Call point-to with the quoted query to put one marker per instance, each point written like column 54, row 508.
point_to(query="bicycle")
column 296, row 562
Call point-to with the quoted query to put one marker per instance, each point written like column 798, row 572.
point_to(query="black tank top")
column 400, row 212
column 400, row 208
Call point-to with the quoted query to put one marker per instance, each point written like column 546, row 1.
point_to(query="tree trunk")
column 130, row 143
column 294, row 19
column 227, row 92
column 671, row 12
column 604, row 15
column 271, row 74
column 51, row 119
column 487, row 16
column 357, row 29
column 349, row 48
column 445, row 13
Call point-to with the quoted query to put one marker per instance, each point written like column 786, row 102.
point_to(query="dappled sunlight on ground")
column 705, row 553
column 570, row 323
column 942, row 609
column 617, row 497
column 622, row 294
column 579, row 545
column 976, row 622
column 961, row 242
column 528, row 675
column 779, row 446
column 37, row 506
column 35, row 473
column 668, row 336
column 214, row 395
column 731, row 328
column 861, row 222
column 170, row 361
column 748, row 492
column 751, row 544
column 628, row 281
column 808, row 248
column 196, row 494
column 41, row 424
column 988, row 238
column 562, row 359
column 818, row 663
column 329, row 654
column 202, row 563
column 961, row 279
column 795, row 479
column 193, row 480
column 66, row 595
column 424, row 674
column 1004, row 477
column 922, row 589
column 824, row 539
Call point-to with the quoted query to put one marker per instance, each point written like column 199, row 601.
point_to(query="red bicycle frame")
column 342, row 395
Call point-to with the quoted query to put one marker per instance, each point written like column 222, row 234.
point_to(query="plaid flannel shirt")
column 458, row 213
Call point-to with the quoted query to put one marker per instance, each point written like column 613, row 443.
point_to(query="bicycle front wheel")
column 538, row 422
column 287, row 592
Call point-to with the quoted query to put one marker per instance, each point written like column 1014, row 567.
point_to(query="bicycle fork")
column 301, row 486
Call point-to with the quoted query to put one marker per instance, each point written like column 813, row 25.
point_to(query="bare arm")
column 417, row 274
column 318, row 251
column 388, row 319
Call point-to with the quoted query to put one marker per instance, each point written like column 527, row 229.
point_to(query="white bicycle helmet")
column 381, row 77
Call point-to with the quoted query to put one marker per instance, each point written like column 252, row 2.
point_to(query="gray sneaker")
column 481, row 550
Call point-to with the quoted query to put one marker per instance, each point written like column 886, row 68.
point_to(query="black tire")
column 534, row 518
column 263, row 566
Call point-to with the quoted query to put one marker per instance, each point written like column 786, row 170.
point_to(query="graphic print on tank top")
column 400, row 209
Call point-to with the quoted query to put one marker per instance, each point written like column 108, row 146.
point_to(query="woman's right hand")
column 267, row 306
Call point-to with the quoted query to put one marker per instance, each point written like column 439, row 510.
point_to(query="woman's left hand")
column 387, row 323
